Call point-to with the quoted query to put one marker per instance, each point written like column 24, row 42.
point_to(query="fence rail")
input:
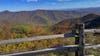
column 79, row 46
column 69, row 35
column 92, row 30
column 68, row 48
column 20, row 40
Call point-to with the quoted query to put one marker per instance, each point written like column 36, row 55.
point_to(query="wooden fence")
column 78, row 32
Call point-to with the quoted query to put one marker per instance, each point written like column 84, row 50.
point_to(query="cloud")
column 32, row 0
column 38, row 0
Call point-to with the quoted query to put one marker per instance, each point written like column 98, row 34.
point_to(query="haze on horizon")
column 26, row 5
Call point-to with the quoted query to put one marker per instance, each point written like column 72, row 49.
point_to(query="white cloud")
column 38, row 0
column 32, row 0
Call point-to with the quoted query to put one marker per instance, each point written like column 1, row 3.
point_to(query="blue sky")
column 21, row 5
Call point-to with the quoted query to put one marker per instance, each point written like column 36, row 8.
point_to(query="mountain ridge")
column 38, row 16
column 90, row 21
column 44, row 17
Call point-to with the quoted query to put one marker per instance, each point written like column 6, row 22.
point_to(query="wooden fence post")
column 79, row 39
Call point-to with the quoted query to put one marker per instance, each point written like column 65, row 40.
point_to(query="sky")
column 27, row 5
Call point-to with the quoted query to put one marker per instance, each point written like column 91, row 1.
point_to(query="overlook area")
column 49, row 27
column 16, row 31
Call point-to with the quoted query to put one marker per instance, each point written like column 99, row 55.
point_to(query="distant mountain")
column 90, row 21
column 91, row 9
column 38, row 16
column 44, row 17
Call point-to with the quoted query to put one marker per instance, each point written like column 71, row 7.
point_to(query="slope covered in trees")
column 90, row 21
column 43, row 17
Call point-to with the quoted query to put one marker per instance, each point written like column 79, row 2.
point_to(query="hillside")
column 45, row 16
column 90, row 20
column 38, row 16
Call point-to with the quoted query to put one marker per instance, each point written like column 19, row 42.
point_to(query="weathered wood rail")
column 69, row 35
column 69, row 48
column 13, row 41
column 79, row 47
